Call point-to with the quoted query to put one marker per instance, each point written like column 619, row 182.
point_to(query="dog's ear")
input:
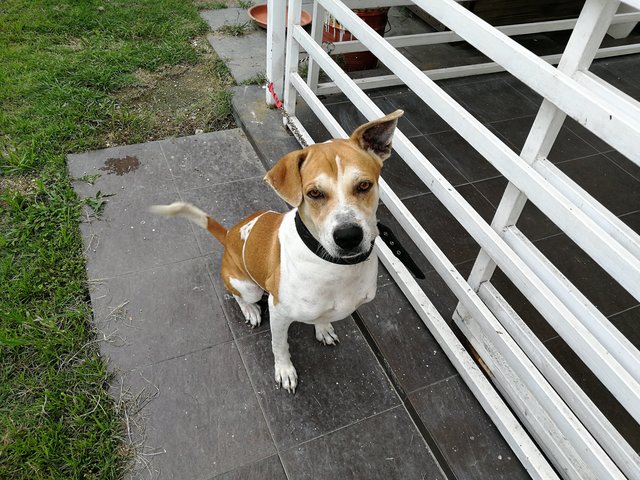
column 285, row 177
column 376, row 136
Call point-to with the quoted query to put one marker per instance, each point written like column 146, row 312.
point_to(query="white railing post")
column 293, row 55
column 317, row 29
column 275, row 48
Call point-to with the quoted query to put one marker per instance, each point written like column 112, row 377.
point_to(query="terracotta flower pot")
column 376, row 18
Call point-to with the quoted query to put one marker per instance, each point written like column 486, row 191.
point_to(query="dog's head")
column 334, row 185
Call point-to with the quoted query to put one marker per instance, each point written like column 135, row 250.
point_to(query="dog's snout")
column 348, row 237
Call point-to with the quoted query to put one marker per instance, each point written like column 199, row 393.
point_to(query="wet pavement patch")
column 120, row 166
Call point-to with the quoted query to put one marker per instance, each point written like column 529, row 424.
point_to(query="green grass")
column 61, row 63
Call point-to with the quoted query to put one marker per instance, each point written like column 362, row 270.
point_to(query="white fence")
column 556, row 414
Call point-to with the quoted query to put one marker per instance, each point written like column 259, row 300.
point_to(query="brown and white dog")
column 314, row 261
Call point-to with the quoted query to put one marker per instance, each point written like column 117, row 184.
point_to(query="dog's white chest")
column 313, row 290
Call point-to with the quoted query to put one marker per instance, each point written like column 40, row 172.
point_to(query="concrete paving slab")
column 205, row 419
column 243, row 55
column 414, row 355
column 472, row 445
column 262, row 125
column 370, row 449
column 127, row 238
column 269, row 468
column 158, row 314
column 226, row 16
column 337, row 385
column 210, row 158
column 127, row 171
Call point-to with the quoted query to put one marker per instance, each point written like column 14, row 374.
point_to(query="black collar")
column 313, row 245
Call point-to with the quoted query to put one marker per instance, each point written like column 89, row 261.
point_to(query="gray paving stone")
column 204, row 419
column 158, row 314
column 127, row 238
column 262, row 125
column 211, row 158
column 412, row 353
column 472, row 446
column 337, row 386
column 384, row 447
column 129, row 171
column 269, row 468
column 229, row 203
column 244, row 56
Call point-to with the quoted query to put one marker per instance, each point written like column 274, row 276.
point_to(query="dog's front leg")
column 285, row 372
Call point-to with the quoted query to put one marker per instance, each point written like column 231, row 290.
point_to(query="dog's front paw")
column 325, row 334
column 251, row 313
column 286, row 377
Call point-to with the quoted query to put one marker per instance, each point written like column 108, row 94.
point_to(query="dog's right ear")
column 285, row 177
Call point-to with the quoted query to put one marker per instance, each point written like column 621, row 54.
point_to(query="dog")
column 314, row 261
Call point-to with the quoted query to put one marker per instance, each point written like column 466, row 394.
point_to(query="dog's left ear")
column 285, row 177
column 376, row 136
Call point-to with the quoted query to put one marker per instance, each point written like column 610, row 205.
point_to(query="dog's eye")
column 364, row 186
column 315, row 194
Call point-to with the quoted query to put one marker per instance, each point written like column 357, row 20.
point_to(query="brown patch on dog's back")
column 261, row 253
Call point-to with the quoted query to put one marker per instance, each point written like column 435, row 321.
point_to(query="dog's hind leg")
column 248, row 295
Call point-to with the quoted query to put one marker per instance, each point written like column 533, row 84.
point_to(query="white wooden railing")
column 552, row 411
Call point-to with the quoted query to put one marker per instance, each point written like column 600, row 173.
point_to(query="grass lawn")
column 74, row 76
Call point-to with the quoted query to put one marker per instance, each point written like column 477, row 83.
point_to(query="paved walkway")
column 205, row 380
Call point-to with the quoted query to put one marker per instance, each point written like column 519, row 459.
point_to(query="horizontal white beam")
column 608, row 92
column 434, row 38
column 616, row 344
column 619, row 381
column 615, row 227
column 381, row 81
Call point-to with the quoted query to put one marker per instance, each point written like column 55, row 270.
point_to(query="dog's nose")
column 348, row 237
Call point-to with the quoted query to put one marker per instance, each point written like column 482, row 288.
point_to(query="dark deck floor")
column 384, row 404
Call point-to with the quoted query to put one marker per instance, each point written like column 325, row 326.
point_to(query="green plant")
column 258, row 79
column 236, row 29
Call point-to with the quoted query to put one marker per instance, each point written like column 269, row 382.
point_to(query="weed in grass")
column 245, row 4
column 235, row 29
column 259, row 79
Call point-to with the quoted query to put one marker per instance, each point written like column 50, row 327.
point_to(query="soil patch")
column 178, row 100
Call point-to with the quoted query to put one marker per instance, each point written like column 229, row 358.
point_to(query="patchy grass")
column 259, row 79
column 236, row 29
column 77, row 76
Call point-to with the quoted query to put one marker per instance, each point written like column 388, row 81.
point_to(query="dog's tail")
column 197, row 216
